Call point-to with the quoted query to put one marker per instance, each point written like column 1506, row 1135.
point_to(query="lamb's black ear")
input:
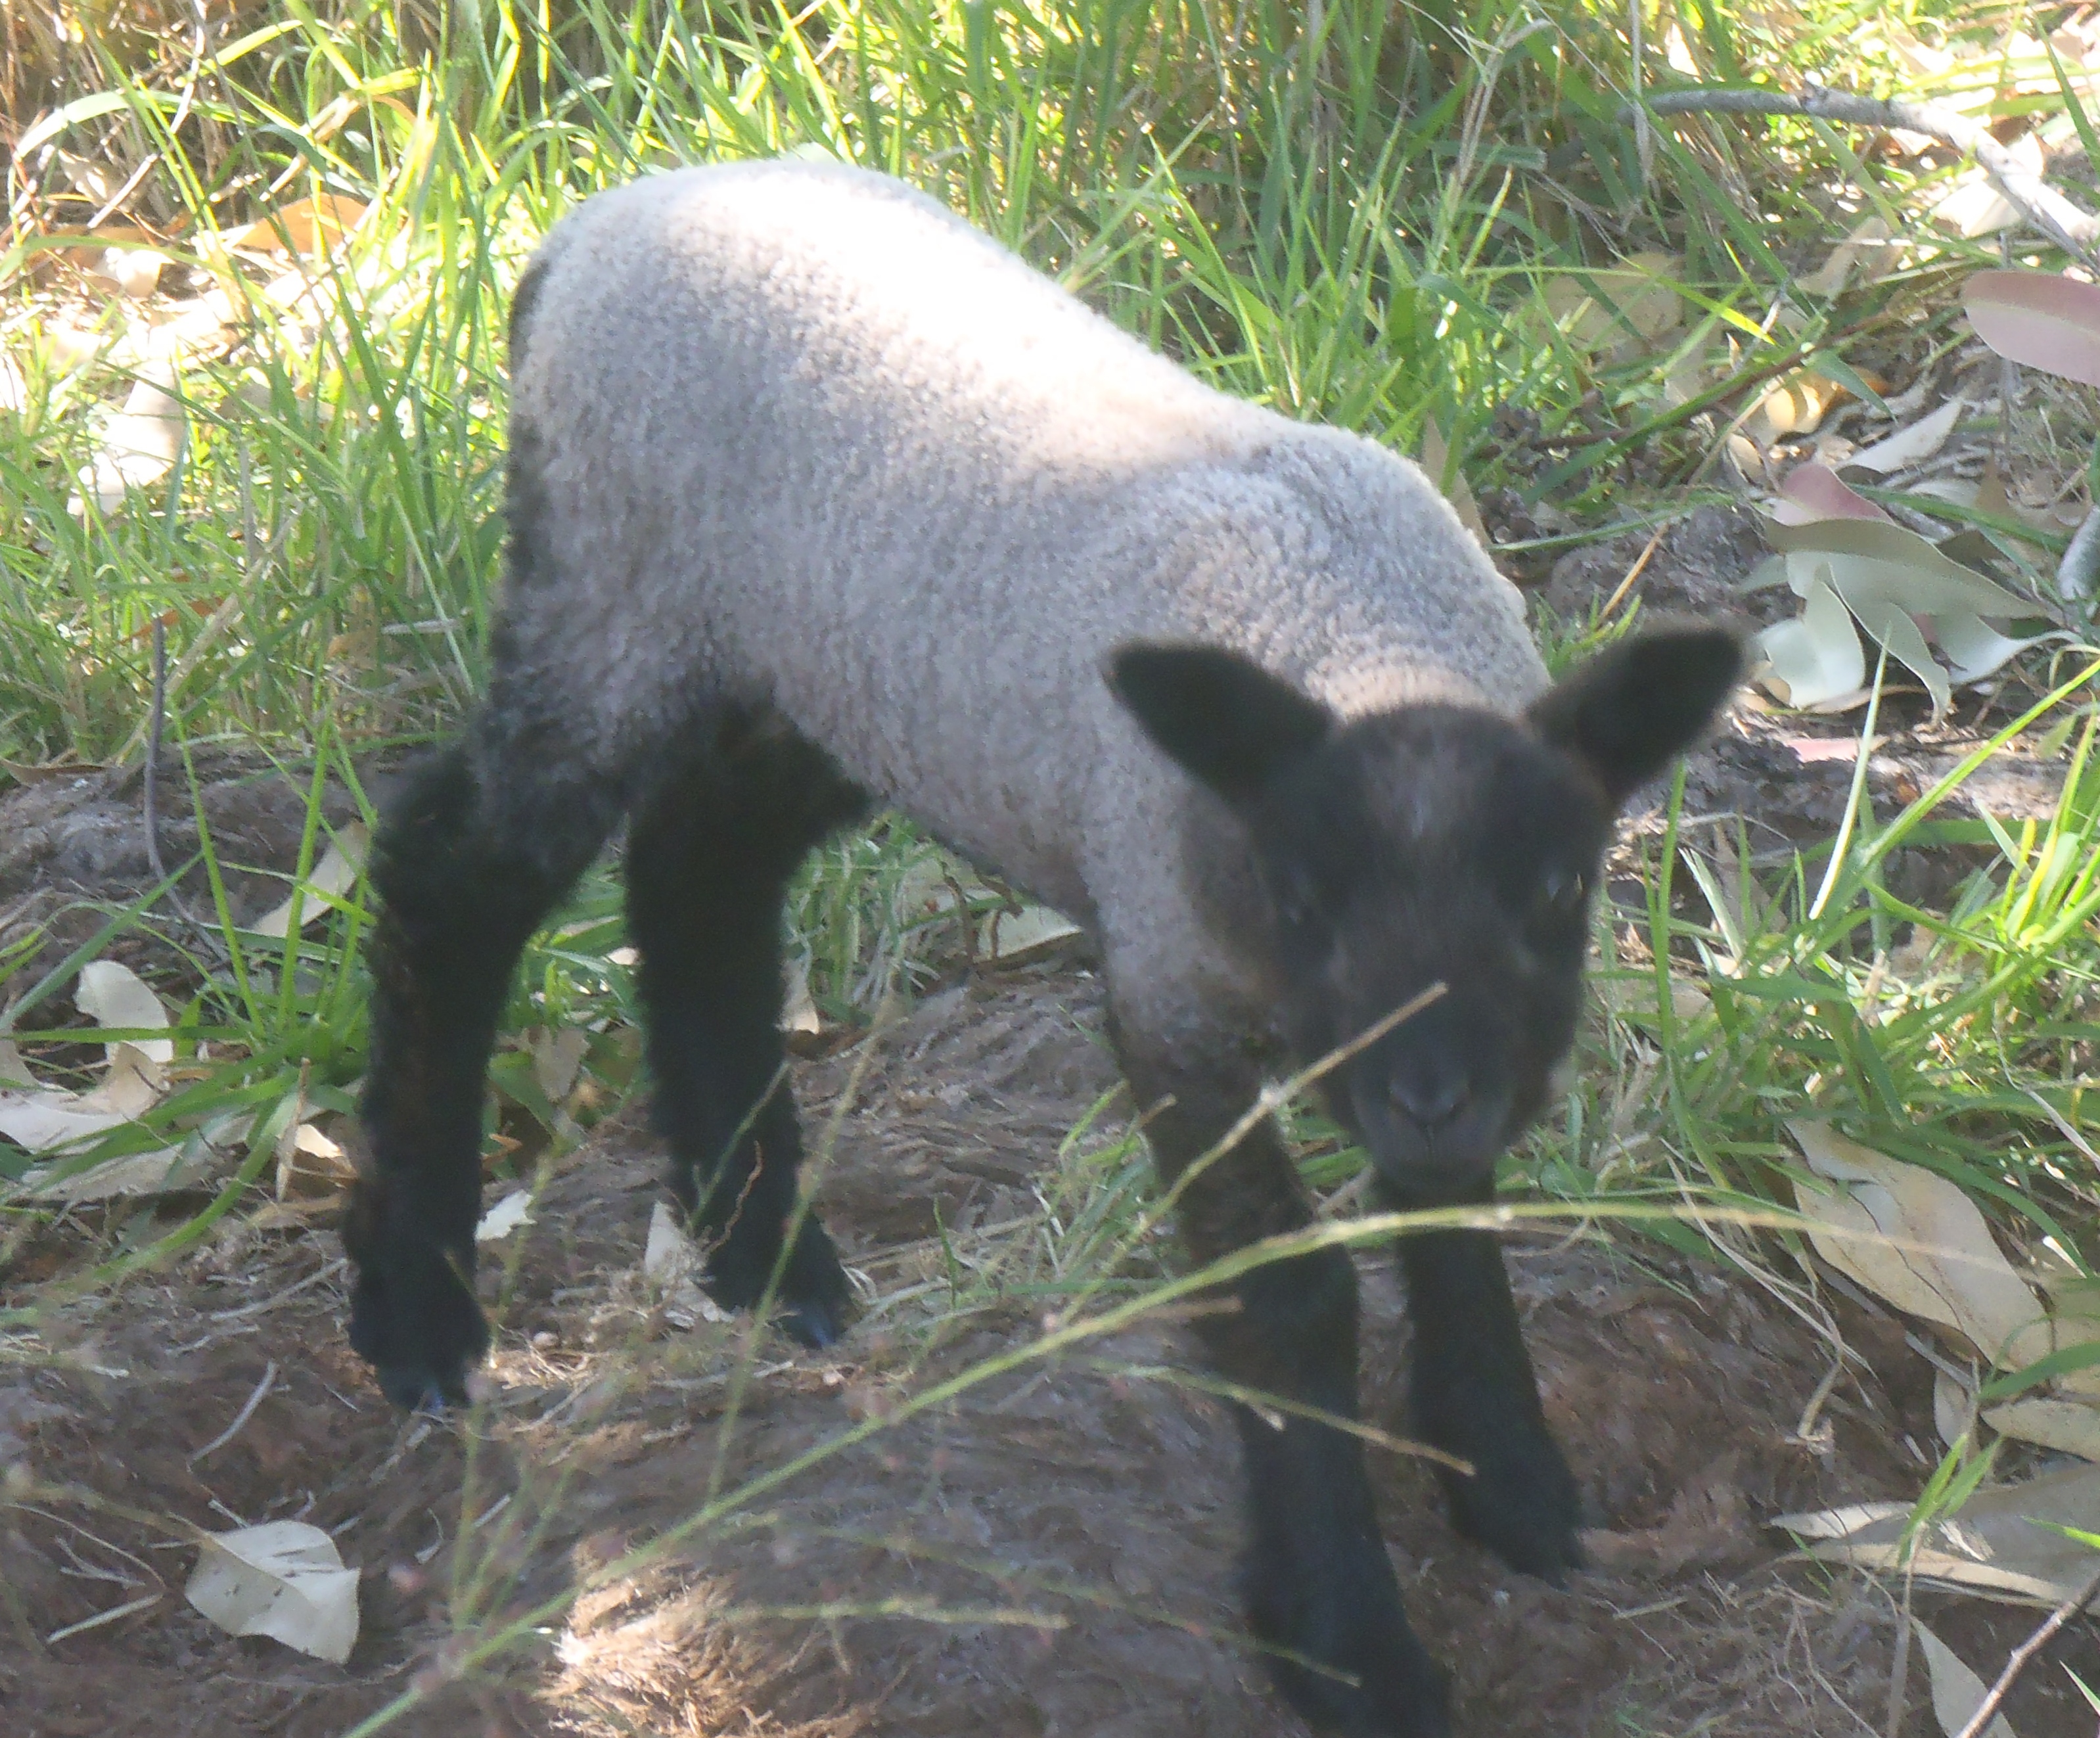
column 1628, row 712
column 1222, row 718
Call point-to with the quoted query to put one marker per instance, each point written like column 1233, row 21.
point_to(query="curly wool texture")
column 798, row 435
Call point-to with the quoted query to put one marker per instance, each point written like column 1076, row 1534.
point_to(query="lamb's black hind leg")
column 708, row 861
column 470, row 856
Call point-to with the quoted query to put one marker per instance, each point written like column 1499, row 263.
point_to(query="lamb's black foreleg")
column 1475, row 1396
column 463, row 884
column 708, row 861
column 1321, row 1591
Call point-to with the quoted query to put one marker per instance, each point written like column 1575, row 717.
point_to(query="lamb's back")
column 801, row 434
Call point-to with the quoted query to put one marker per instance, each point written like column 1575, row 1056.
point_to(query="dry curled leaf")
column 1868, row 250
column 672, row 1263
column 513, row 1211
column 304, row 226
column 1794, row 404
column 282, row 1579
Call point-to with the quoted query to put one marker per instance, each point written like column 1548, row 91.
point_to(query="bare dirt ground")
column 1050, row 1553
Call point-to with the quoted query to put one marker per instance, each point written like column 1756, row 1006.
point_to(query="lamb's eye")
column 1561, row 892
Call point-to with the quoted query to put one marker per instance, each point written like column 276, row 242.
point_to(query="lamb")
column 818, row 499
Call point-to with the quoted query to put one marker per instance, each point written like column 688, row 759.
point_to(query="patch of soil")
column 1050, row 1551
column 72, row 846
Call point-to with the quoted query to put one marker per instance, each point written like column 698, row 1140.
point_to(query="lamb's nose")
column 1431, row 1098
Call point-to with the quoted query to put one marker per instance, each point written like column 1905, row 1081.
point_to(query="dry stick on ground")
column 2048, row 210
column 2016, row 1663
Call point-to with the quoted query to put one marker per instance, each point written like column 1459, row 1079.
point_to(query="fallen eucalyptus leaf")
column 114, row 996
column 798, row 1009
column 2068, row 1425
column 1916, row 1240
column 282, row 1579
column 672, row 1262
column 1814, row 491
column 312, row 1165
column 1867, row 247
column 1896, row 585
column 304, row 226
column 2040, row 319
column 2078, row 573
column 1899, row 564
column 138, row 446
column 1794, row 404
column 1956, row 1691
column 1007, row 938
column 1953, row 1408
column 1913, row 445
column 2003, row 1544
column 331, row 878
column 1975, row 207
column 558, row 1058
column 135, row 271
column 1814, row 659
column 164, row 1170
column 1897, row 630
column 1974, row 649
column 1634, row 302
column 131, row 1086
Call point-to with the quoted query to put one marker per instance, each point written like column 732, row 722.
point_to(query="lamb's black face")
column 1431, row 844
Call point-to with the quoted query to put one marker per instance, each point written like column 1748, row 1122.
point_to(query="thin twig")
column 240, row 1417
column 2016, row 1662
column 2065, row 223
column 271, row 1302
column 100, row 1618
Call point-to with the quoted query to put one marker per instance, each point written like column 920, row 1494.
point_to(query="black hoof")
column 1341, row 1652
column 412, row 1317
column 1524, row 1504
column 817, row 1325
column 813, row 1300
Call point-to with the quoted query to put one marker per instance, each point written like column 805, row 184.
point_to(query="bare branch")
column 2046, row 209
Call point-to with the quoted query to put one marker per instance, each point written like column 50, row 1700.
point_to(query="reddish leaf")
column 1814, row 491
column 2038, row 318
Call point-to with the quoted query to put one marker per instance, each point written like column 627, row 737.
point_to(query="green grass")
column 1362, row 227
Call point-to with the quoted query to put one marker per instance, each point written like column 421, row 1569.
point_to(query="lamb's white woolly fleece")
column 803, row 435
